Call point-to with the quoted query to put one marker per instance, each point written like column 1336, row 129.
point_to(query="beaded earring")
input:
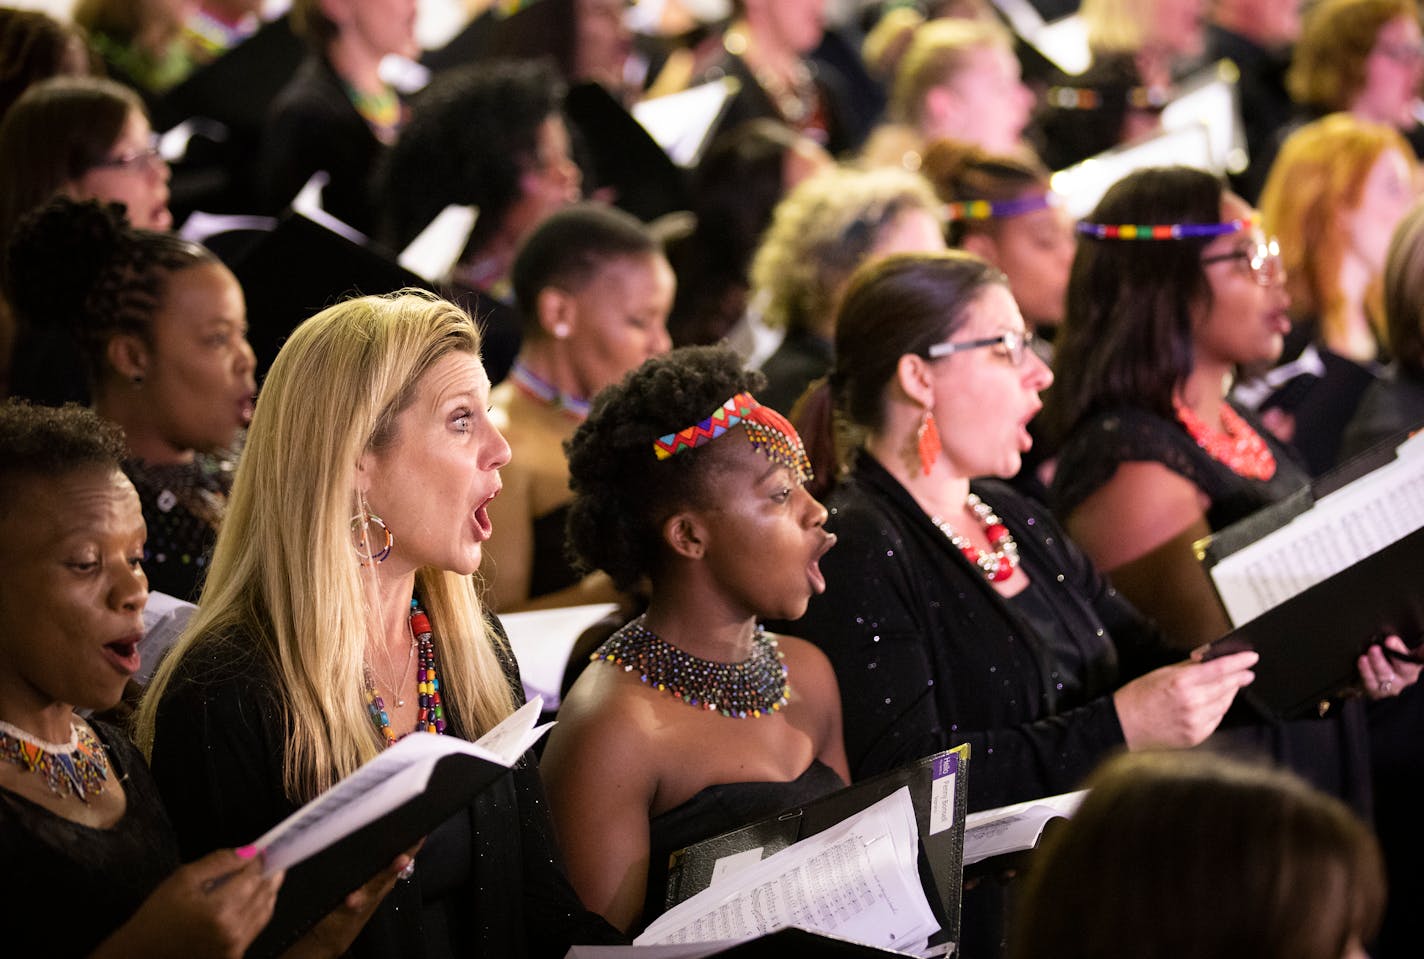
column 927, row 443
column 361, row 525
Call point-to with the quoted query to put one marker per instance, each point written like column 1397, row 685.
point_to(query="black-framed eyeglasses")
column 1015, row 343
column 1263, row 257
column 137, row 160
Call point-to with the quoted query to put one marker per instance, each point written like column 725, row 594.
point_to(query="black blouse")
column 74, row 885
column 1096, row 449
column 928, row 655
column 1332, row 754
column 488, row 882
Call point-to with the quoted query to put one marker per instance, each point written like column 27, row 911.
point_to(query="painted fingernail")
column 245, row 852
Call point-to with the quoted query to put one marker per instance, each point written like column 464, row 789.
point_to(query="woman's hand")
column 215, row 906
column 1384, row 676
column 1180, row 705
column 334, row 934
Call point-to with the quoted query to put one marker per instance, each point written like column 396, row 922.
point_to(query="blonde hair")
column 284, row 577
column 1315, row 182
column 936, row 53
column 1117, row 26
column 821, row 231
column 1327, row 69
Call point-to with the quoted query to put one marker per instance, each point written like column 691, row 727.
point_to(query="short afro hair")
column 44, row 442
column 568, row 248
column 622, row 491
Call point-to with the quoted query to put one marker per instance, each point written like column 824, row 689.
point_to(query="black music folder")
column 1312, row 582
column 939, row 793
column 334, row 844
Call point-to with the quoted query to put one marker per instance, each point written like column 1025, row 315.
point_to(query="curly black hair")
column 79, row 271
column 472, row 134
column 622, row 491
column 49, row 441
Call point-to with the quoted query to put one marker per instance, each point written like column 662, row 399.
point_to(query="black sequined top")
column 928, row 655
column 72, row 886
column 183, row 505
column 487, row 882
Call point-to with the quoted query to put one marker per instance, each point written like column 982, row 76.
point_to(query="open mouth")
column 482, row 521
column 813, row 568
column 123, row 655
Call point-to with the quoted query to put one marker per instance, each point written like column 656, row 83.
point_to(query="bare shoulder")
column 1142, row 506
column 607, row 709
column 809, row 671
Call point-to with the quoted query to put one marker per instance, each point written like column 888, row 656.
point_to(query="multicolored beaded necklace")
column 431, row 717
column 1236, row 445
column 753, row 688
column 541, row 390
column 999, row 563
column 381, row 110
column 78, row 767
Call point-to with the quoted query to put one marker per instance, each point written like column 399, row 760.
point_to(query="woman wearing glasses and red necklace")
column 955, row 610
column 1160, row 315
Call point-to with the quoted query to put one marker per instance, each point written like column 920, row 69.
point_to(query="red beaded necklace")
column 1237, row 445
column 999, row 563
column 431, row 718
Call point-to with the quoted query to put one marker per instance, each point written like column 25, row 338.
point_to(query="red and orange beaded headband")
column 770, row 432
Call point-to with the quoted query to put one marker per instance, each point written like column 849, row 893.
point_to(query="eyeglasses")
column 1264, row 258
column 1405, row 54
column 1015, row 343
column 150, row 158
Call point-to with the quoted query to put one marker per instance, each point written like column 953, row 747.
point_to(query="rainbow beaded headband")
column 1162, row 231
column 999, row 209
column 770, row 432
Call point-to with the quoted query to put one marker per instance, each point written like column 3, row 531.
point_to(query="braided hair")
column 80, row 275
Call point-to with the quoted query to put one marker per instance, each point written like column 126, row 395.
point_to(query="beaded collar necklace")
column 753, row 688
column 431, row 718
column 541, row 390
column 1236, row 445
column 78, row 767
column 999, row 563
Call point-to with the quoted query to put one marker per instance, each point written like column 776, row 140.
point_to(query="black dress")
column 487, row 882
column 1332, row 752
column 313, row 126
column 74, row 885
column 928, row 655
column 182, row 507
column 721, row 808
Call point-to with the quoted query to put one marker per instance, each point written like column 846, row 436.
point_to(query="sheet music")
column 542, row 640
column 858, row 880
column 1015, row 828
column 394, row 777
column 1341, row 529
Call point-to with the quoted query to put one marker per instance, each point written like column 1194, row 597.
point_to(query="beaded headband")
column 999, row 209
column 1162, row 231
column 770, row 432
column 1088, row 98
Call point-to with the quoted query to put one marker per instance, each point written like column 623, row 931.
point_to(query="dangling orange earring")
column 927, row 442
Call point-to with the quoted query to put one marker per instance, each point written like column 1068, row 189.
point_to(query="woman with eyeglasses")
column 1173, row 289
column 87, row 138
column 955, row 610
column 1334, row 195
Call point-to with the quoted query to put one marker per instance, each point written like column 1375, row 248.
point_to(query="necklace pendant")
column 400, row 703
